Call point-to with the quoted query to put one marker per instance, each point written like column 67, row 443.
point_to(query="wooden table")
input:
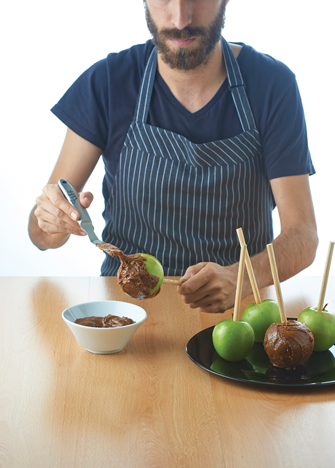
column 149, row 405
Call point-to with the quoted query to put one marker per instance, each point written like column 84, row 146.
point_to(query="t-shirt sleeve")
column 84, row 106
column 285, row 142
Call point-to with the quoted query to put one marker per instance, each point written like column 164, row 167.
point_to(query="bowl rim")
column 104, row 328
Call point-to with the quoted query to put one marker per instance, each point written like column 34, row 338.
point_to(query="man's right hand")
column 53, row 218
column 56, row 216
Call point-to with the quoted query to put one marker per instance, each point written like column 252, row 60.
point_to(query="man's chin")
column 184, row 59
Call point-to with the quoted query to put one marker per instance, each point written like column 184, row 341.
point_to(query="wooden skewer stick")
column 325, row 277
column 172, row 281
column 251, row 273
column 276, row 282
column 239, row 285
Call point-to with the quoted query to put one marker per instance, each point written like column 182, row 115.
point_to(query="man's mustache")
column 185, row 33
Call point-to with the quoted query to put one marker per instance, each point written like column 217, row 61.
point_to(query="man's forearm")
column 42, row 239
column 294, row 250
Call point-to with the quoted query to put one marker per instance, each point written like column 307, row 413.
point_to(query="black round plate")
column 256, row 367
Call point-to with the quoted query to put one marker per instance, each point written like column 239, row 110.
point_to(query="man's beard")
column 185, row 58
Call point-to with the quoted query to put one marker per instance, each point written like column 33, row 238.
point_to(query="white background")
column 46, row 46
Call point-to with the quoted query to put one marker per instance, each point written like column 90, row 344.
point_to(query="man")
column 198, row 138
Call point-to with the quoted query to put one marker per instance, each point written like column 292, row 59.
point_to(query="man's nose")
column 181, row 13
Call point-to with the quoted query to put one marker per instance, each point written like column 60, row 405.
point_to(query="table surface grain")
column 149, row 405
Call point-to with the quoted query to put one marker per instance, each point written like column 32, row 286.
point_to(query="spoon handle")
column 71, row 195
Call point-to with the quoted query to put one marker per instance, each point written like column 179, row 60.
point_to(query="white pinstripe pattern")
column 182, row 202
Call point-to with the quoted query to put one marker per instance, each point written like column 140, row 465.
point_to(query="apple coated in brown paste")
column 288, row 345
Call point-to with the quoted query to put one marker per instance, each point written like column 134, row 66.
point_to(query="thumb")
column 85, row 199
column 191, row 271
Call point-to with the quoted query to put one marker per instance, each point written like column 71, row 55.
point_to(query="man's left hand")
column 209, row 286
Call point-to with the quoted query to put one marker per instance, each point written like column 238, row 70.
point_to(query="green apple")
column 233, row 340
column 322, row 325
column 260, row 316
column 154, row 267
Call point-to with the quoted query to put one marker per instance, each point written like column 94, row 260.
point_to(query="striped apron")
column 182, row 202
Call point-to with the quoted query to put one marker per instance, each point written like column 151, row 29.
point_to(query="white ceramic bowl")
column 103, row 340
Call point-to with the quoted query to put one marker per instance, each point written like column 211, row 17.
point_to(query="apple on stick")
column 260, row 314
column 318, row 319
column 289, row 343
column 234, row 338
column 155, row 268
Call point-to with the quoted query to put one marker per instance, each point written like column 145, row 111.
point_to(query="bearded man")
column 199, row 137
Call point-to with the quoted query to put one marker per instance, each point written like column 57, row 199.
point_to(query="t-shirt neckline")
column 180, row 108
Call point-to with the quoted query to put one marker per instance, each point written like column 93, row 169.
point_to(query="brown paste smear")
column 133, row 277
column 288, row 345
column 105, row 322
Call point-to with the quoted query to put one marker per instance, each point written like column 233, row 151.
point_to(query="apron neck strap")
column 144, row 97
column 237, row 88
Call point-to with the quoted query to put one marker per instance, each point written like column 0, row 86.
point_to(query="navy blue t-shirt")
column 100, row 107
